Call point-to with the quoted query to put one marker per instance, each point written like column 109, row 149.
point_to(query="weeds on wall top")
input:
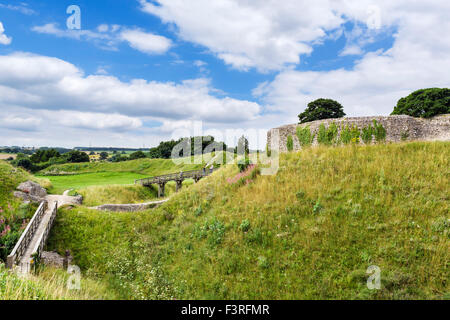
column 345, row 134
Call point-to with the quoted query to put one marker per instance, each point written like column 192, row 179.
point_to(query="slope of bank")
column 309, row 232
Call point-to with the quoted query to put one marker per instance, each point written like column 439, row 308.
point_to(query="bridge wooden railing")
column 178, row 177
column 175, row 177
column 39, row 247
column 25, row 239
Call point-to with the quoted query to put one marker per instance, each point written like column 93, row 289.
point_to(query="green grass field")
column 80, row 181
column 309, row 232
column 83, row 175
column 140, row 166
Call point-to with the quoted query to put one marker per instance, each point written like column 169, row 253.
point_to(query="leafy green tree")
column 76, row 156
column 322, row 109
column 44, row 155
column 424, row 103
column 137, row 155
column 104, row 155
column 25, row 163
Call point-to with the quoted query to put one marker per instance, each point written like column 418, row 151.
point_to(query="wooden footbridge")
column 28, row 249
column 161, row 181
column 27, row 252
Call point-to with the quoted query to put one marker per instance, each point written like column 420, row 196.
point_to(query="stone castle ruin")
column 397, row 128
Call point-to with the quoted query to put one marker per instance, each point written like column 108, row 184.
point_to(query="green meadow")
column 82, row 175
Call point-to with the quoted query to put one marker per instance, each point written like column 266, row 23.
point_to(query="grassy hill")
column 82, row 175
column 309, row 232
column 49, row 283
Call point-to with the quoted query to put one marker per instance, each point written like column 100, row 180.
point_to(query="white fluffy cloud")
column 245, row 34
column 4, row 39
column 110, row 36
column 146, row 42
column 40, row 82
column 269, row 35
column 420, row 58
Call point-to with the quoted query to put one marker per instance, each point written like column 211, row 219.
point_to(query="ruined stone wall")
column 397, row 127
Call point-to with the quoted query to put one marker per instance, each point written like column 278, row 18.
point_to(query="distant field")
column 141, row 166
column 62, row 183
column 5, row 156
column 107, row 173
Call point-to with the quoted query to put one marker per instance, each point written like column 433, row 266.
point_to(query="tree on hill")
column 197, row 145
column 76, row 156
column 322, row 109
column 44, row 155
column 424, row 103
column 104, row 155
column 24, row 163
column 137, row 155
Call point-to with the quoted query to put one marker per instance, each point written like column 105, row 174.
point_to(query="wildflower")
column 241, row 175
column 5, row 231
column 24, row 224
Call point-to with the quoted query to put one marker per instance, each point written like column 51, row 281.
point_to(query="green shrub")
column 263, row 263
column 213, row 230
column 379, row 132
column 327, row 136
column 245, row 226
column 367, row 134
column 244, row 164
column 290, row 143
column 255, row 236
column 305, row 137
column 268, row 151
column 346, row 134
column 405, row 135
column 322, row 134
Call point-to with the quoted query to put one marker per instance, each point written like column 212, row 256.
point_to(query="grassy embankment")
column 104, row 182
column 50, row 283
column 309, row 232
column 14, row 215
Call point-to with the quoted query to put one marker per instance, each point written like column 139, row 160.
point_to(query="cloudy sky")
column 139, row 70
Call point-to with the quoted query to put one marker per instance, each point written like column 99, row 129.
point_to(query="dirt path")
column 66, row 193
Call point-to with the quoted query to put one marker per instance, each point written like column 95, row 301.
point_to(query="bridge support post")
column 10, row 262
column 161, row 189
column 179, row 185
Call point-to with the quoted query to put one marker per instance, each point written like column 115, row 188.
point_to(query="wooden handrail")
column 175, row 176
column 24, row 240
column 39, row 247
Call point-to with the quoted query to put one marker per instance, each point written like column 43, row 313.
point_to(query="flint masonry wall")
column 437, row 128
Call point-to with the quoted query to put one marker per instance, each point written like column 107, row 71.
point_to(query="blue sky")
column 138, row 71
